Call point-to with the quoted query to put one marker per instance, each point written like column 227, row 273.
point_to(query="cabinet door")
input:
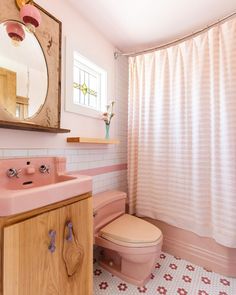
column 80, row 216
column 29, row 268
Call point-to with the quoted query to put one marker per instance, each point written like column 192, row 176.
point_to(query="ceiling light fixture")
column 29, row 14
column 15, row 32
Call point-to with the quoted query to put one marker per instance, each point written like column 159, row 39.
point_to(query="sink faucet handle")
column 44, row 169
column 70, row 230
column 13, row 172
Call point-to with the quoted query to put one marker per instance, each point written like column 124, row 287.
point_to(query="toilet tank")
column 107, row 206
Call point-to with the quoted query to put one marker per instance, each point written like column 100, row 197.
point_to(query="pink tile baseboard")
column 202, row 251
column 102, row 170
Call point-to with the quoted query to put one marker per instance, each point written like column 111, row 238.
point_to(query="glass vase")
column 107, row 136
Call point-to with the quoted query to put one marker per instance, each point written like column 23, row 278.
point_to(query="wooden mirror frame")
column 48, row 35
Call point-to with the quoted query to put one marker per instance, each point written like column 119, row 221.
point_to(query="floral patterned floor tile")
column 171, row 276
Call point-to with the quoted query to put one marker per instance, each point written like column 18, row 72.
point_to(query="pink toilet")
column 130, row 245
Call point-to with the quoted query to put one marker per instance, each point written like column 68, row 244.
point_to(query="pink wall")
column 90, row 43
column 107, row 163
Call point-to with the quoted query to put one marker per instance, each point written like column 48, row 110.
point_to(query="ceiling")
column 138, row 24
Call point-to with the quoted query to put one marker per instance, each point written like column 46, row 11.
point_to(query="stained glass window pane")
column 87, row 83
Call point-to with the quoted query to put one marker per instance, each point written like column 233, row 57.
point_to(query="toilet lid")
column 131, row 231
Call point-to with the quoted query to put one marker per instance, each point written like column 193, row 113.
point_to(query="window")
column 89, row 84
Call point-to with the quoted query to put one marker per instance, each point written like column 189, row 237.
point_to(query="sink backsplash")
column 23, row 173
column 98, row 160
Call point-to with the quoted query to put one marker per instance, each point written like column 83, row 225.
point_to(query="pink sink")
column 30, row 183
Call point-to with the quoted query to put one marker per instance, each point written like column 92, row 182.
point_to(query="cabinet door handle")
column 73, row 252
column 70, row 229
column 52, row 246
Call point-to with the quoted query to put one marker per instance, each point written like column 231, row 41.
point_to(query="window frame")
column 70, row 106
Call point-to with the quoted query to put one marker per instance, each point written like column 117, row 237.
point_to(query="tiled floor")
column 172, row 276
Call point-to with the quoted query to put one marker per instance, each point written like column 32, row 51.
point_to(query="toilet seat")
column 131, row 231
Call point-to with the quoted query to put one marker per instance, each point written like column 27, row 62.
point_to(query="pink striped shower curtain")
column 182, row 134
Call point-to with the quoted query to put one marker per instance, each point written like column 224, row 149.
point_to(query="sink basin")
column 32, row 188
column 33, row 182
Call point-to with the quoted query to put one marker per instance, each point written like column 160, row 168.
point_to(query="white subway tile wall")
column 92, row 156
column 115, row 180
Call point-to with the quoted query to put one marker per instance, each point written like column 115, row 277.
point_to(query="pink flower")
column 122, row 286
column 162, row 256
column 168, row 277
column 182, row 291
column 97, row 272
column 162, row 290
column 173, row 266
column 105, row 119
column 223, row 293
column 152, row 276
column 103, row 285
column 202, row 292
column 190, row 267
column 206, row 281
column 157, row 265
column 225, row 282
column 107, row 116
column 177, row 258
column 142, row 289
column 187, row 279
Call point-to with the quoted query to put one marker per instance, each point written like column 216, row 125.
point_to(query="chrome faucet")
column 44, row 169
column 13, row 172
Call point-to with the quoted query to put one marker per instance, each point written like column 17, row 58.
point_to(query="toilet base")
column 116, row 272
column 132, row 269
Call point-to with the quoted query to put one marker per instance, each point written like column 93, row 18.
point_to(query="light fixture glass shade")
column 15, row 32
column 30, row 16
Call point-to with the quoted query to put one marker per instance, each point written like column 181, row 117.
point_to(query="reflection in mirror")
column 23, row 74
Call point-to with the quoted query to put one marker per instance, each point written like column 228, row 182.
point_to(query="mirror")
column 23, row 74
column 30, row 74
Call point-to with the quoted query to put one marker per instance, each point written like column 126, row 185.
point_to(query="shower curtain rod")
column 117, row 53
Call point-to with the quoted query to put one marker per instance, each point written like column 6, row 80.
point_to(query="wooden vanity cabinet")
column 49, row 251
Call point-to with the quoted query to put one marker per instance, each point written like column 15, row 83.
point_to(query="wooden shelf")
column 92, row 140
column 31, row 127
